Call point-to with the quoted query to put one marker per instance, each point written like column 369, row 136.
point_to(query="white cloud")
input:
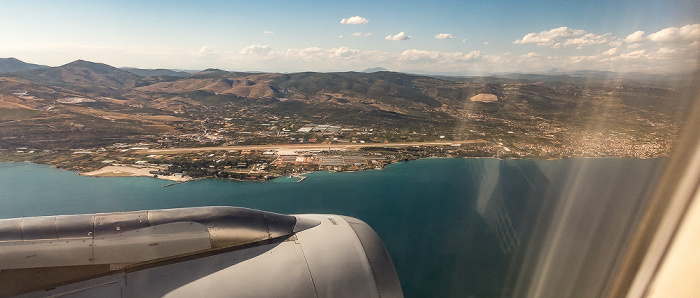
column 419, row 55
column 400, row 36
column 444, row 36
column 633, row 55
column 531, row 55
column 360, row 34
column 469, row 56
column 610, row 52
column 615, row 43
column 564, row 37
column 256, row 49
column 437, row 57
column 269, row 32
column 675, row 35
column 550, row 38
column 587, row 40
column 695, row 45
column 671, row 35
column 671, row 58
column 354, row 20
column 667, row 51
column 485, row 42
column 307, row 53
column 320, row 54
column 206, row 50
column 635, row 37
column 344, row 52
column 667, row 58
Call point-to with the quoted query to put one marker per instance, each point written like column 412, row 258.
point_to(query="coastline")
column 120, row 170
column 128, row 171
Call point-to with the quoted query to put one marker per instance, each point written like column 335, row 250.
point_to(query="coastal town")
column 259, row 126
column 315, row 148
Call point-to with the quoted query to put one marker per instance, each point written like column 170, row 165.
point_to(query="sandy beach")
column 127, row 171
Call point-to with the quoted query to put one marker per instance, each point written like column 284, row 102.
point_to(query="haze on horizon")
column 458, row 37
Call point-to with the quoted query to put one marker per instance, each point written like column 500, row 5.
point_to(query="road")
column 291, row 148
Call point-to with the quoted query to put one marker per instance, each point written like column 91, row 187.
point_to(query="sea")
column 454, row 227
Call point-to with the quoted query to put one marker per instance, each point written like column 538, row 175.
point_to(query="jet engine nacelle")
column 186, row 252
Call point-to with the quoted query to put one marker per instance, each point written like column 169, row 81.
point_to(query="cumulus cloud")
column 633, row 55
column 206, row 50
column 400, row 36
column 435, row 56
column 659, row 51
column 344, row 52
column 269, row 32
column 671, row 35
column 675, row 35
column 610, row 52
column 318, row 54
column 360, row 34
column 564, row 37
column 661, row 59
column 635, row 37
column 419, row 55
column 695, row 45
column 589, row 40
column 466, row 57
column 551, row 37
column 256, row 49
column 531, row 55
column 444, row 36
column 354, row 20
column 615, row 43
column 649, row 57
column 667, row 51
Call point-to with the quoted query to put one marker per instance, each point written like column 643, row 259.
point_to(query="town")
column 258, row 126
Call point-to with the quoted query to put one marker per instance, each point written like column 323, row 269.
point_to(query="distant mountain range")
column 98, row 79
column 375, row 69
column 83, row 76
column 391, row 88
column 156, row 72
column 13, row 65
column 95, row 103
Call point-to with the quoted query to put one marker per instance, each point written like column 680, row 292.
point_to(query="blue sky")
column 417, row 36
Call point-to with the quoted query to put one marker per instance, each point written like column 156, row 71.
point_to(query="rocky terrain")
column 88, row 105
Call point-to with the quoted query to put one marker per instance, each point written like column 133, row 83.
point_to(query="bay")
column 441, row 219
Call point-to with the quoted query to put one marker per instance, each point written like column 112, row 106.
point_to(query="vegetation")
column 535, row 116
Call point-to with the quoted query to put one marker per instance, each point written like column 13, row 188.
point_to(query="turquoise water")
column 425, row 211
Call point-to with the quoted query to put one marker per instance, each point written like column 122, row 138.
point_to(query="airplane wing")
column 188, row 252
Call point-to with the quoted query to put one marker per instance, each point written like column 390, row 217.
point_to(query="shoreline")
column 129, row 171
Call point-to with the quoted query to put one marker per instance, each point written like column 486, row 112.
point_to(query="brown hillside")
column 253, row 86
